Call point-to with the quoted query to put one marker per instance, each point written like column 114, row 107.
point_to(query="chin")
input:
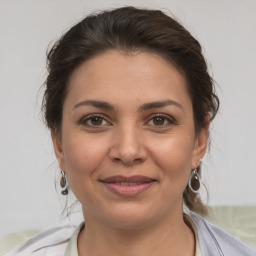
column 129, row 217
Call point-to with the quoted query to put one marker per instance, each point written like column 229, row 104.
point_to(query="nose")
column 128, row 147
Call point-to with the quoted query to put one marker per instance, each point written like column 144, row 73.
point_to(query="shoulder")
column 51, row 241
column 214, row 241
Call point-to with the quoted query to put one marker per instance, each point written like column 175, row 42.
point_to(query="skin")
column 127, row 140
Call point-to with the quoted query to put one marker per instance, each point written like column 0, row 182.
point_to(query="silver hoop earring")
column 63, row 184
column 194, row 182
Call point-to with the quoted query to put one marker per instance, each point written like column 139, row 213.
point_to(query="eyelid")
column 84, row 119
column 170, row 119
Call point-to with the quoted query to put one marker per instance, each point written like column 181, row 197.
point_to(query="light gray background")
column 226, row 30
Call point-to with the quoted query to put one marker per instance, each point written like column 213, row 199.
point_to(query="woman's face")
column 128, row 142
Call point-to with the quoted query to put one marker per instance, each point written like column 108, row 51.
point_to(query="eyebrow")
column 159, row 104
column 95, row 103
column 144, row 107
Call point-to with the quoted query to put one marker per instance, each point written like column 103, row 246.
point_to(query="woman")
column 129, row 101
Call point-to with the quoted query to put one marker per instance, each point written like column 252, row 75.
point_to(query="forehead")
column 139, row 75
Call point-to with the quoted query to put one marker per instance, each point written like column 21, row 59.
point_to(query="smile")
column 128, row 183
column 128, row 186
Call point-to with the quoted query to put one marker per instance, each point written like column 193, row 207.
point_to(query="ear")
column 57, row 145
column 201, row 142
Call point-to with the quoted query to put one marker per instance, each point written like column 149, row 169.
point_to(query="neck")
column 163, row 238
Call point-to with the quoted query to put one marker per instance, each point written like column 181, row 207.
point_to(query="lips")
column 128, row 186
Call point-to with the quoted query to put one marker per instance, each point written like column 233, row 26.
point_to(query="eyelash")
column 170, row 121
column 84, row 121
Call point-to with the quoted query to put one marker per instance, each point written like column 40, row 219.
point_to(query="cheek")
column 173, row 155
column 82, row 156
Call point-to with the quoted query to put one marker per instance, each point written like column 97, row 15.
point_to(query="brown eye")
column 161, row 121
column 158, row 120
column 96, row 121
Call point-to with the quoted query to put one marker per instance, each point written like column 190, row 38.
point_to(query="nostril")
column 138, row 160
column 116, row 159
column 128, row 161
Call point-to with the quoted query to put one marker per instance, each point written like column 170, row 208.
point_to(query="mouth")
column 128, row 186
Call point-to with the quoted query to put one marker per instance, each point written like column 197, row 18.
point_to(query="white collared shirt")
column 59, row 241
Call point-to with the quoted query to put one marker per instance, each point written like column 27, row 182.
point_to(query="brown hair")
column 129, row 29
